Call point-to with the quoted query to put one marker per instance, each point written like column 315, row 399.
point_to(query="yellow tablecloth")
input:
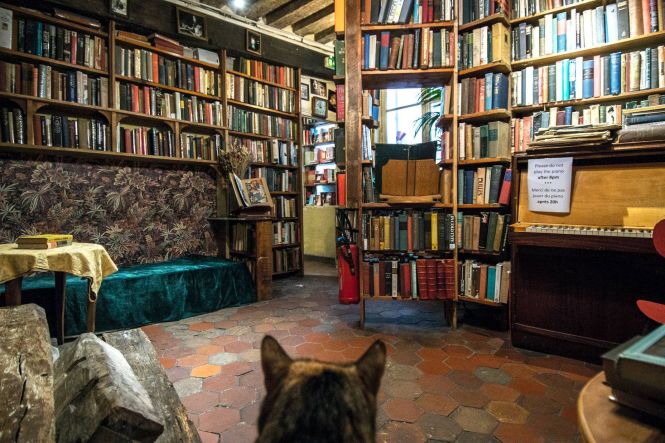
column 86, row 260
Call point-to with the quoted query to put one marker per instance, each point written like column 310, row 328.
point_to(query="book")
column 44, row 238
column 6, row 28
column 47, row 245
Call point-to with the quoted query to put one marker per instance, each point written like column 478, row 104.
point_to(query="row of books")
column 472, row 10
column 285, row 233
column 282, row 75
column 154, row 101
column 483, row 281
column 569, row 31
column 526, row 8
column 12, row 126
column 418, row 49
column 279, row 180
column 46, row 82
column 285, row 206
column 483, row 186
column 483, row 94
column 318, row 155
column 146, row 141
column 409, row 278
column 71, row 132
column 51, row 41
column 484, row 45
column 409, row 231
column 258, row 94
column 321, row 198
column 256, row 123
column 328, row 175
column 277, row 152
column 523, row 129
column 598, row 76
column 485, row 141
column 149, row 66
column 487, row 232
column 243, row 238
column 406, row 11
column 318, row 135
column 286, row 260
column 201, row 147
column 368, row 185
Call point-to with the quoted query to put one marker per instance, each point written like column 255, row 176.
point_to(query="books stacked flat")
column 584, row 136
column 160, row 41
column 44, row 241
column 645, row 124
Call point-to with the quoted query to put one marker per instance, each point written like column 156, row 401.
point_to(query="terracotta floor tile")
column 400, row 409
column 405, row 358
column 458, row 350
column 201, row 402
column 437, row 355
column 204, row 326
column 237, row 347
column 469, row 397
column 433, row 367
column 237, row 396
column 437, row 404
column 403, row 389
column 499, row 392
column 475, row 420
column 439, row 427
column 317, row 337
column 205, row 371
column 208, row 437
column 527, row 386
column 465, row 380
column 461, row 363
column 514, row 433
column 237, row 368
column 241, row 432
column 167, row 362
column 396, row 432
column 209, row 349
column 218, row 419
column 507, row 412
column 218, row 383
column 192, row 360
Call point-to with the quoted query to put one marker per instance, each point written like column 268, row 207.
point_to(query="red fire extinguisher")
column 347, row 270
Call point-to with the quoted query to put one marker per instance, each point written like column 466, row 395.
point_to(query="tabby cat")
column 317, row 402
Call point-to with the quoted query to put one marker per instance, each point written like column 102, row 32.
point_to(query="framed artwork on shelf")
column 191, row 24
column 251, row 192
column 319, row 107
column 304, row 91
column 119, row 8
column 332, row 101
column 319, row 88
column 253, row 42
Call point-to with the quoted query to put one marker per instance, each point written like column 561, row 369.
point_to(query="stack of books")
column 44, row 241
column 162, row 42
column 583, row 136
column 645, row 124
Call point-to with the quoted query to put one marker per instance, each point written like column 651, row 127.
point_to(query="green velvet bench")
column 150, row 293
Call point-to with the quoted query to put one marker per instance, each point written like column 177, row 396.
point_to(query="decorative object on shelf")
column 233, row 160
column 319, row 107
column 319, row 88
column 304, row 91
column 191, row 23
column 332, row 101
column 253, row 42
column 120, row 8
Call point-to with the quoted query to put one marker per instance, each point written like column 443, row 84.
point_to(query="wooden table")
column 602, row 420
column 86, row 260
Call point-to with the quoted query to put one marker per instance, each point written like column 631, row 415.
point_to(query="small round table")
column 87, row 260
column 602, row 420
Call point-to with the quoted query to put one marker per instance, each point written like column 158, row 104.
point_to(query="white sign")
column 550, row 184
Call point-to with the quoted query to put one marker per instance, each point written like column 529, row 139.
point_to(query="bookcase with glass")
column 263, row 115
column 321, row 139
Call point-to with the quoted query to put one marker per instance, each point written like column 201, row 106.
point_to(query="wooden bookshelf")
column 586, row 4
column 501, row 67
column 485, row 21
column 483, row 161
column 406, row 27
column 405, row 78
column 142, row 82
column 480, row 301
column 262, row 109
column 12, row 54
column 124, row 41
column 485, row 116
column 641, row 41
column 260, row 80
column 625, row 96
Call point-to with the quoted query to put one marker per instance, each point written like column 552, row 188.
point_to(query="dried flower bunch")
column 234, row 159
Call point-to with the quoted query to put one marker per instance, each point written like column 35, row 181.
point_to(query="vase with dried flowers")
column 232, row 160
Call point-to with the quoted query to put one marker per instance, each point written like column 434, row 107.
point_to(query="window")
column 402, row 110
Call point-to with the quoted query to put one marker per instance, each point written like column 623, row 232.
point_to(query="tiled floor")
column 440, row 385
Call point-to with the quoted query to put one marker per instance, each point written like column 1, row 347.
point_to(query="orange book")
column 197, row 81
column 155, row 67
column 482, row 290
column 341, row 189
column 146, row 100
column 135, row 98
column 646, row 16
column 409, row 227
column 339, row 15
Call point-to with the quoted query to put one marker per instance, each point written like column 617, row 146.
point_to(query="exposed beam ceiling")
column 325, row 36
column 316, row 22
column 259, row 8
column 294, row 11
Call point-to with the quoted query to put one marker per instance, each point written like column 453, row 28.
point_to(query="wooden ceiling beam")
column 316, row 22
column 294, row 11
column 325, row 36
column 260, row 8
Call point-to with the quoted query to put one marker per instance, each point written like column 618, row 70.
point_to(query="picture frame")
column 191, row 24
column 319, row 107
column 332, row 101
column 319, row 88
column 253, row 42
column 119, row 8
column 304, row 91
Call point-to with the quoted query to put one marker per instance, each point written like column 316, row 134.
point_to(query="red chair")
column 655, row 311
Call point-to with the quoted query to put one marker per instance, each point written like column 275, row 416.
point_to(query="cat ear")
column 371, row 365
column 274, row 360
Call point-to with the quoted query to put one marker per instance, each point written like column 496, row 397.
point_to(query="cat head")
column 309, row 400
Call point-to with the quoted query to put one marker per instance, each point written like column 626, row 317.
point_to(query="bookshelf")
column 320, row 161
column 130, row 94
column 266, row 93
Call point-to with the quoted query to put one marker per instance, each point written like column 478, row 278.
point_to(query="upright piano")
column 576, row 276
